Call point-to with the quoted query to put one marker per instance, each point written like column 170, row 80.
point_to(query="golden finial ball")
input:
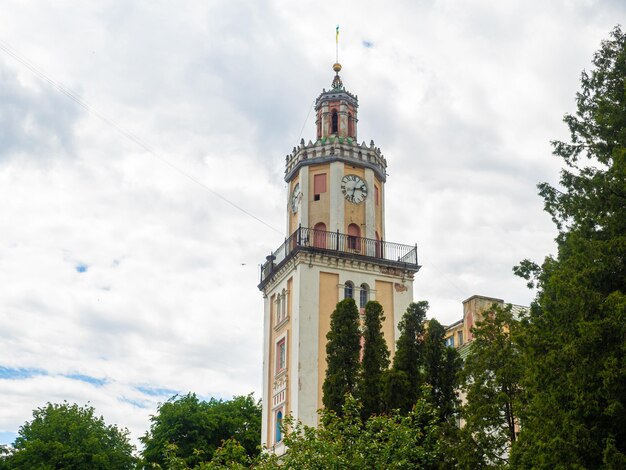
column 337, row 67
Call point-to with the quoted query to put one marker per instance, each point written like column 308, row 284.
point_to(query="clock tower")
column 335, row 248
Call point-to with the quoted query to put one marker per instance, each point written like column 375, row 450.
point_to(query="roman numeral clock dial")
column 354, row 189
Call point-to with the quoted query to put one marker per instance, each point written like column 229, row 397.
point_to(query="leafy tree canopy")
column 492, row 373
column 346, row 442
column 70, row 437
column 189, row 431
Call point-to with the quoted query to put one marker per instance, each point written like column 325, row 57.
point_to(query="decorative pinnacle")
column 337, row 83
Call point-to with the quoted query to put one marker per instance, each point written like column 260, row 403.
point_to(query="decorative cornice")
column 336, row 149
column 338, row 261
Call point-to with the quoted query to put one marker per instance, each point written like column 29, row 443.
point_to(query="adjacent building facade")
column 459, row 333
column 335, row 248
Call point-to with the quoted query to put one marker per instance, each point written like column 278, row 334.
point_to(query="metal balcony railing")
column 321, row 240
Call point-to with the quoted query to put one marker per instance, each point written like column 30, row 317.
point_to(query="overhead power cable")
column 90, row 109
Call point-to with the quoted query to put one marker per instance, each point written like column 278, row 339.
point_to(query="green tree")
column 188, row 431
column 342, row 355
column 375, row 360
column 441, row 370
column 402, row 383
column 346, row 442
column 575, row 344
column 492, row 373
column 70, row 437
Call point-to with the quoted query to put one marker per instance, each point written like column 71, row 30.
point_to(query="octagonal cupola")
column 336, row 111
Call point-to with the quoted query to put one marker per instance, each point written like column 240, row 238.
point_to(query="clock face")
column 294, row 200
column 353, row 188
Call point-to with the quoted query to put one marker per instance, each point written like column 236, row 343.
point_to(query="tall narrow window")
column 377, row 195
column 278, row 308
column 319, row 235
column 278, row 424
column 354, row 237
column 348, row 290
column 350, row 125
column 282, row 308
column 281, row 356
column 364, row 295
column 334, row 122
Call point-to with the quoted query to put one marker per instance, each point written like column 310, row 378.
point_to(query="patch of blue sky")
column 156, row 391
column 135, row 403
column 81, row 267
column 20, row 372
column 86, row 378
column 7, row 437
column 367, row 44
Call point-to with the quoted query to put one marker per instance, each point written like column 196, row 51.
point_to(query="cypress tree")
column 402, row 383
column 375, row 360
column 441, row 367
column 342, row 355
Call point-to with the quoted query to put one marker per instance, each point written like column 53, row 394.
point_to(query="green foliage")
column 346, row 442
column 187, row 431
column 70, row 437
column 375, row 360
column 402, row 386
column 342, row 355
column 492, row 374
column 441, row 370
column 574, row 346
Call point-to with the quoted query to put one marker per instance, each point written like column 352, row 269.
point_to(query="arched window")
column 354, row 237
column 278, row 308
column 348, row 290
column 319, row 128
column 364, row 295
column 279, row 422
column 350, row 125
column 319, row 235
column 334, row 122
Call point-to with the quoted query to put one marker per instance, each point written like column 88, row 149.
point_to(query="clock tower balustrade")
column 307, row 240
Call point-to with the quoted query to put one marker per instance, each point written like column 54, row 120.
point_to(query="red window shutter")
column 319, row 184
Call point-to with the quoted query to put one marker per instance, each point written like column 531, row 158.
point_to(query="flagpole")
column 337, row 45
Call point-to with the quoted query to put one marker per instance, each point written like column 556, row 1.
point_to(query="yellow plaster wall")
column 355, row 213
column 293, row 218
column 274, row 335
column 328, row 298
column 384, row 296
column 319, row 211
column 379, row 207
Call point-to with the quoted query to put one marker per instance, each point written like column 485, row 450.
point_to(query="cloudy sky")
column 129, row 131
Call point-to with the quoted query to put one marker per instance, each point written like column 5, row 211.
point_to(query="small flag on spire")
column 337, row 35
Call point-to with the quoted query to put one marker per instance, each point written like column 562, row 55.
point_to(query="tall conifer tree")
column 575, row 345
column 402, row 383
column 342, row 355
column 375, row 360
column 441, row 367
